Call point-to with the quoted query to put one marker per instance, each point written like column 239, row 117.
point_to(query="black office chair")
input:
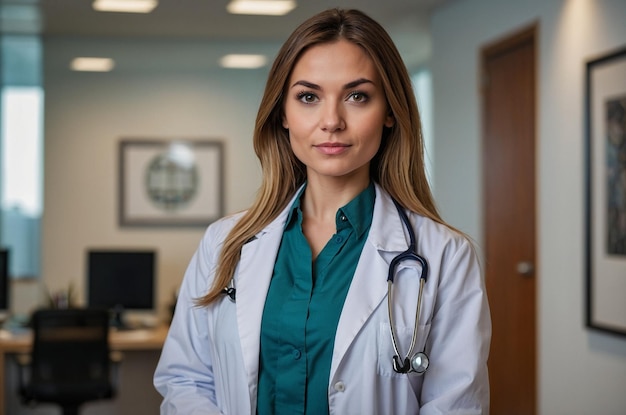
column 70, row 363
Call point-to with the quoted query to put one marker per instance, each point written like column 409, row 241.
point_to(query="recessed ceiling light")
column 125, row 6
column 243, row 61
column 92, row 64
column 263, row 7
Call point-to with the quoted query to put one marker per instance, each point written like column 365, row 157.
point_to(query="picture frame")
column 170, row 183
column 605, row 124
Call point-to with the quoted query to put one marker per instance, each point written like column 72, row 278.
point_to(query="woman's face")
column 335, row 110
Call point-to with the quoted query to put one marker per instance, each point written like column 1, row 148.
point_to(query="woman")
column 284, row 308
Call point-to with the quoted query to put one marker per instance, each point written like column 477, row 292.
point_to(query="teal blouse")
column 302, row 310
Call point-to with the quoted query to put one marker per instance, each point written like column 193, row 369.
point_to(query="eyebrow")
column 349, row 85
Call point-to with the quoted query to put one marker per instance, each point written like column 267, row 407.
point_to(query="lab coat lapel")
column 252, row 279
column 368, row 289
column 369, row 284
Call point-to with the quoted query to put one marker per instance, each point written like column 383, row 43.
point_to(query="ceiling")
column 406, row 21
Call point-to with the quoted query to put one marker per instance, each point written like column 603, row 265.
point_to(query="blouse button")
column 296, row 354
column 343, row 218
column 340, row 387
column 338, row 239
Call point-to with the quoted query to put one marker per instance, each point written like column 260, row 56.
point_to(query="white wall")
column 158, row 90
column 580, row 372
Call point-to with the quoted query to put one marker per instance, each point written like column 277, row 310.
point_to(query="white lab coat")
column 210, row 360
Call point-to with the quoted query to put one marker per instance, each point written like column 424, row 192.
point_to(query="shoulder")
column 441, row 232
column 224, row 224
column 449, row 252
column 220, row 229
column 216, row 232
column 431, row 235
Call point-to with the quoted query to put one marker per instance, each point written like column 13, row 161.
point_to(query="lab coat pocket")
column 386, row 352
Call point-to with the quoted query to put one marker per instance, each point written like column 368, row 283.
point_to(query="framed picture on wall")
column 606, row 192
column 170, row 182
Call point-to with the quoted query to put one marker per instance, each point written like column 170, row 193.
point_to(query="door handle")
column 525, row 268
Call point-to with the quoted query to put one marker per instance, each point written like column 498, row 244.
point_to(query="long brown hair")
column 398, row 167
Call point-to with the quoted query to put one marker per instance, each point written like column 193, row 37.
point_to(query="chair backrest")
column 70, row 354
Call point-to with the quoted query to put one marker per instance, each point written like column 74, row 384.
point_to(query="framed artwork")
column 170, row 182
column 606, row 192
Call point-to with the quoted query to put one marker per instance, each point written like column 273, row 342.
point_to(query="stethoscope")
column 413, row 362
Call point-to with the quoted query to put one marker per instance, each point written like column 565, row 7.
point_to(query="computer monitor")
column 5, row 285
column 121, row 280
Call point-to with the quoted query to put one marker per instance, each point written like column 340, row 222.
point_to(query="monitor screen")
column 4, row 283
column 121, row 279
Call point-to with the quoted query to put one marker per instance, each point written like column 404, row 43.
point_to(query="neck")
column 322, row 199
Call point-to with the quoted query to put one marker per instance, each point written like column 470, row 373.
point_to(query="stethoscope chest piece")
column 419, row 363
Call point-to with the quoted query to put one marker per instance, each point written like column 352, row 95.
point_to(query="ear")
column 285, row 124
column 390, row 121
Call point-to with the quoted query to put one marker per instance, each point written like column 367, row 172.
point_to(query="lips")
column 332, row 148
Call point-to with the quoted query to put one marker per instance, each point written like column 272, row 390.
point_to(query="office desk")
column 122, row 341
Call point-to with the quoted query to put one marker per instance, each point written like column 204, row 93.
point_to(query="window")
column 422, row 82
column 21, row 153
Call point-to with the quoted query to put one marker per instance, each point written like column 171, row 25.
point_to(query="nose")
column 332, row 117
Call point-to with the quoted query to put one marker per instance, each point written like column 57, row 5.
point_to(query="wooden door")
column 508, row 93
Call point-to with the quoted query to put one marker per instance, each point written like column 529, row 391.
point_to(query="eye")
column 307, row 97
column 358, row 96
